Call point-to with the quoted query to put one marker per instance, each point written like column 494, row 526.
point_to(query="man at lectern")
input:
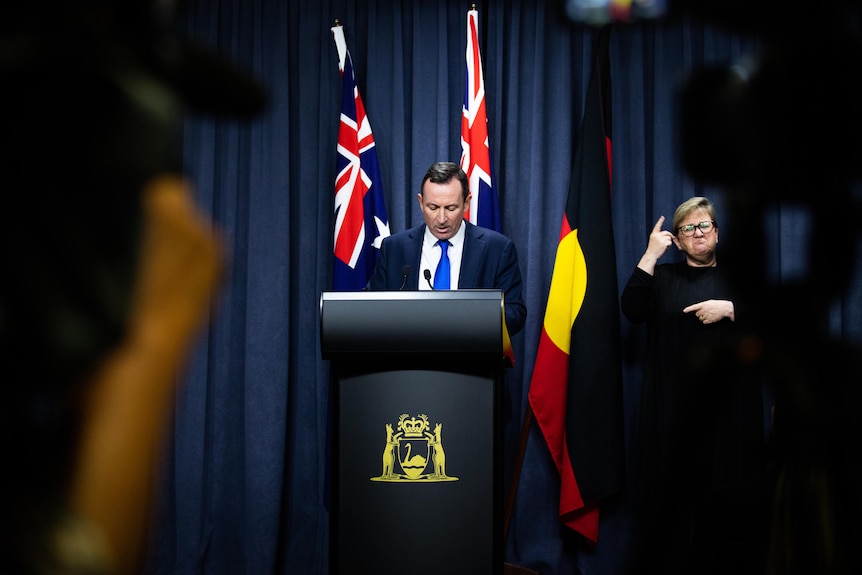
column 448, row 252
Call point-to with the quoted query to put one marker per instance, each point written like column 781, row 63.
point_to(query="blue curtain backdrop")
column 244, row 486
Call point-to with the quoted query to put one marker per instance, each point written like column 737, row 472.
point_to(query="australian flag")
column 475, row 147
column 360, row 213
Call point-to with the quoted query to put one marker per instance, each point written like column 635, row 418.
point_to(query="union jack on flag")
column 360, row 213
column 475, row 149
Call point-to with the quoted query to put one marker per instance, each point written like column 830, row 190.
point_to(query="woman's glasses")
column 688, row 229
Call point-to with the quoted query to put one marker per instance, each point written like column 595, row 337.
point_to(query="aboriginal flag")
column 576, row 387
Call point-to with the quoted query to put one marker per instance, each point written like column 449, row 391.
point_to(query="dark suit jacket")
column 489, row 261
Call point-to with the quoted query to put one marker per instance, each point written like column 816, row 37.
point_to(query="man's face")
column 443, row 207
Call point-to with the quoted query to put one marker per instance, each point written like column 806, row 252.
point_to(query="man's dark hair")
column 443, row 172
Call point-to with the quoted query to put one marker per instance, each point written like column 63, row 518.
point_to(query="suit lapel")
column 414, row 255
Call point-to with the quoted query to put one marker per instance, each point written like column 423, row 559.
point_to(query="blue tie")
column 441, row 276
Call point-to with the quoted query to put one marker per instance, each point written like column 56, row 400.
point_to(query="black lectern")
column 415, row 463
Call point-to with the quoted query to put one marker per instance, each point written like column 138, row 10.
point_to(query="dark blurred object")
column 92, row 106
column 793, row 110
column 600, row 12
column 780, row 133
column 93, row 101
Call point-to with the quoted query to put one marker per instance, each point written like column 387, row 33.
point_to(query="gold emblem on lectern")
column 408, row 451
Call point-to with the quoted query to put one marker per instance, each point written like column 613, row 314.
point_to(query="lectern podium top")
column 456, row 321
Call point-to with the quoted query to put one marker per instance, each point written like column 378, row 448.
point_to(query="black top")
column 699, row 440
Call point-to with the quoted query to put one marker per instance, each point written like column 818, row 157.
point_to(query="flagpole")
column 516, row 472
column 509, row 568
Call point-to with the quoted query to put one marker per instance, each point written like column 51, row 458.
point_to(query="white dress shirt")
column 431, row 253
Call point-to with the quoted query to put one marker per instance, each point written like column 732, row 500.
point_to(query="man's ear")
column 676, row 243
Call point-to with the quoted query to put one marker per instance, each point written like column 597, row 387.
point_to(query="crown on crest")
column 413, row 427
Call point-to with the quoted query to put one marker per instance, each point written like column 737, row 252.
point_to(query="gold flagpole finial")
column 337, row 23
